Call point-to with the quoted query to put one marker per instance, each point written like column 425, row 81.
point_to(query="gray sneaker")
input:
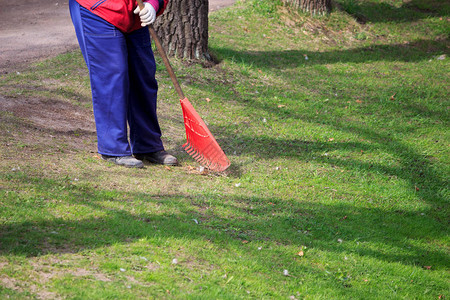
column 126, row 161
column 160, row 157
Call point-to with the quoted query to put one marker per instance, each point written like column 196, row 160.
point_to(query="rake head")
column 201, row 144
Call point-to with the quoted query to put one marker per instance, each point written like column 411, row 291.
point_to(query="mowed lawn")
column 337, row 132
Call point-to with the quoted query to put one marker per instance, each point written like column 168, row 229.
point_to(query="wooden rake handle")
column 163, row 55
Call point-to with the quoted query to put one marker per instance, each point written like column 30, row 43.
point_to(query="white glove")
column 148, row 14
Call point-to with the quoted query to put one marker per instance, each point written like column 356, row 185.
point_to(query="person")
column 116, row 47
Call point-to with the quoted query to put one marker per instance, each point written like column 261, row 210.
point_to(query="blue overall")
column 124, row 89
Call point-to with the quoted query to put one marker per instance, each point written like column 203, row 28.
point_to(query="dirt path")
column 33, row 29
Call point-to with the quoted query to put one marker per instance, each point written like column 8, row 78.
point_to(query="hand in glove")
column 147, row 14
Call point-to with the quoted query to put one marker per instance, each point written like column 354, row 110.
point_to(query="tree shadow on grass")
column 378, row 11
column 416, row 51
column 413, row 167
column 253, row 219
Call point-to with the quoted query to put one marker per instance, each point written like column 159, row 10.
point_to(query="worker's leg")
column 105, row 51
column 145, row 133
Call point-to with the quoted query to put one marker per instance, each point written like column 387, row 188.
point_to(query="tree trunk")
column 183, row 29
column 315, row 7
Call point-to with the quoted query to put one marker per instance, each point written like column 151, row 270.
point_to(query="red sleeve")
column 162, row 6
column 154, row 3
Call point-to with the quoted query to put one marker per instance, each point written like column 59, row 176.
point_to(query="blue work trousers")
column 124, row 89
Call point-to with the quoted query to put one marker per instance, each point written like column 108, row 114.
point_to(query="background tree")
column 183, row 29
column 315, row 7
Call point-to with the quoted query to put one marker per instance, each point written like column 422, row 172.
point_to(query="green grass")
column 342, row 157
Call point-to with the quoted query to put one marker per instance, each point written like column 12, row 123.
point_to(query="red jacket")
column 120, row 12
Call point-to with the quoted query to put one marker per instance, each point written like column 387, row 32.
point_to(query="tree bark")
column 183, row 29
column 315, row 7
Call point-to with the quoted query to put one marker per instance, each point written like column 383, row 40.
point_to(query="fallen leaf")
column 331, row 139
column 359, row 101
column 244, row 242
column 301, row 253
column 167, row 168
column 281, row 105
column 202, row 170
column 208, row 100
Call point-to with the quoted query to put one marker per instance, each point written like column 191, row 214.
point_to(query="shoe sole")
column 156, row 162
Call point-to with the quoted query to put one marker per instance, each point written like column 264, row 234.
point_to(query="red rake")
column 200, row 144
